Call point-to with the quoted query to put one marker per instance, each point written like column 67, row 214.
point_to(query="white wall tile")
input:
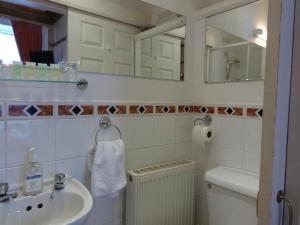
column 139, row 158
column 2, row 145
column 140, row 132
column 164, row 130
column 74, row 137
column 253, row 135
column 164, row 153
column 29, row 133
column 183, row 128
column 171, row 152
column 251, row 161
column 75, row 167
column 229, row 157
column 229, row 132
column 205, row 158
column 184, row 151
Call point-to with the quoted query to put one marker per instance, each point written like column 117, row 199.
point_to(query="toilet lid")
column 236, row 180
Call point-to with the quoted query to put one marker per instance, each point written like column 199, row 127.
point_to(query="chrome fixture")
column 105, row 123
column 82, row 84
column 4, row 197
column 229, row 63
column 281, row 198
column 59, row 183
column 207, row 120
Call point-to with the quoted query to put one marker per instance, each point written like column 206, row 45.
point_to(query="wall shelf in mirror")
column 81, row 83
column 62, row 73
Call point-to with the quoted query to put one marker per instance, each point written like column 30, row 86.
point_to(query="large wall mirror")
column 236, row 44
column 119, row 37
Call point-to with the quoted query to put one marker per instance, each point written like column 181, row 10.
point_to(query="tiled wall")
column 63, row 135
column 63, row 132
column 237, row 144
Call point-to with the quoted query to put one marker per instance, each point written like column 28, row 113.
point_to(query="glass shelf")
column 81, row 83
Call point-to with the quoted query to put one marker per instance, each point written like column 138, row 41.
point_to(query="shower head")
column 231, row 61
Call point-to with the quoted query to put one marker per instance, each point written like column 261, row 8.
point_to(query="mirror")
column 161, row 55
column 236, row 44
column 128, row 38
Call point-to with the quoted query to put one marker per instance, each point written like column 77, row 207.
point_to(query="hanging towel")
column 108, row 169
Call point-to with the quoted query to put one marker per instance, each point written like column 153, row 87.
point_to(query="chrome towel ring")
column 105, row 123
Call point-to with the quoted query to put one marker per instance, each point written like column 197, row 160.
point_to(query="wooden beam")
column 27, row 13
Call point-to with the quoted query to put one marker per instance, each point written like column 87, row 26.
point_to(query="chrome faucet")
column 4, row 197
column 59, row 183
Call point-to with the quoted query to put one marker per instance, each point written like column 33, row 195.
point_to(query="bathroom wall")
column 238, row 131
column 64, row 138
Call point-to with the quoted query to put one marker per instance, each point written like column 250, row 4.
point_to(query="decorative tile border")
column 185, row 109
column 204, row 109
column 30, row 110
column 165, row 109
column 230, row 111
column 111, row 109
column 45, row 110
column 75, row 110
column 141, row 109
column 255, row 112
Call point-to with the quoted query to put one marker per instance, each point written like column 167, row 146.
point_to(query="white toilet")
column 231, row 196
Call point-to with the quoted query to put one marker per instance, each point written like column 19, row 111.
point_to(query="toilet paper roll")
column 202, row 135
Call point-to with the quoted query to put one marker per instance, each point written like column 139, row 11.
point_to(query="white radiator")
column 162, row 194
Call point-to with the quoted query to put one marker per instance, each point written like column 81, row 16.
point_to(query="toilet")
column 231, row 196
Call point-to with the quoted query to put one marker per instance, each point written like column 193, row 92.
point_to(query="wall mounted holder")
column 207, row 120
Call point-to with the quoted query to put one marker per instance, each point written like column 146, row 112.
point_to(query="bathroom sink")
column 70, row 206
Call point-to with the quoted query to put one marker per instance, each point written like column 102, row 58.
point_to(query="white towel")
column 108, row 170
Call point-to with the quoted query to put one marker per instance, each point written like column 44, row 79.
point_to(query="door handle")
column 281, row 197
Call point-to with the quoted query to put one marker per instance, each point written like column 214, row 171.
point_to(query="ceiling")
column 200, row 4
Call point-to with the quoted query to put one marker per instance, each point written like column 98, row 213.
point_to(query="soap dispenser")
column 33, row 183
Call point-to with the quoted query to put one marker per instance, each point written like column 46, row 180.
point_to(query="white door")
column 166, row 51
column 144, row 61
column 291, row 192
column 100, row 45
column 158, row 57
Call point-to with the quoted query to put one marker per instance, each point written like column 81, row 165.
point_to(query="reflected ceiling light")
column 259, row 33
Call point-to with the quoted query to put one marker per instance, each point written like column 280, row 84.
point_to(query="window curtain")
column 28, row 37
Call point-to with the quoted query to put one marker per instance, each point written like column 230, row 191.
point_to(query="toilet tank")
column 231, row 196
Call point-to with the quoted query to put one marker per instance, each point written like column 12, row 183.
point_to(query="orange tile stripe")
column 48, row 110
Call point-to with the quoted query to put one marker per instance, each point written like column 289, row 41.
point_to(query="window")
column 8, row 46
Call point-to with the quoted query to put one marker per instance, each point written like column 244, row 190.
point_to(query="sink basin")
column 70, row 206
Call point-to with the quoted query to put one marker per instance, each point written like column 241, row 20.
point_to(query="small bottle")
column 30, row 71
column 54, row 72
column 42, row 71
column 33, row 183
column 17, row 70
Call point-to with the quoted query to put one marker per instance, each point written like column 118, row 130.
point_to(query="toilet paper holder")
column 207, row 120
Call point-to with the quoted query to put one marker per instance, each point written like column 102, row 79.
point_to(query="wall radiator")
column 161, row 194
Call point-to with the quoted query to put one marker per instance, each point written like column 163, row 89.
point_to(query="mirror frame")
column 206, row 75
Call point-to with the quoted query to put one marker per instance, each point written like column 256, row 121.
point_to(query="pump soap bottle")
column 33, row 183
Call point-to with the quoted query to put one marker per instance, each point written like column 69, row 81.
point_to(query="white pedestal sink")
column 70, row 206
